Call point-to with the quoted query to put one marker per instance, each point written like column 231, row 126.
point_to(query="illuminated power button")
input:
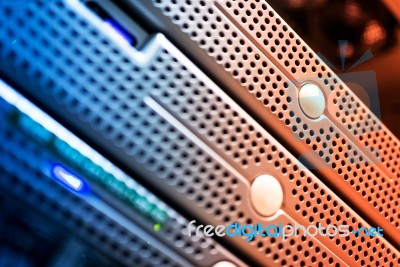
column 266, row 195
column 312, row 100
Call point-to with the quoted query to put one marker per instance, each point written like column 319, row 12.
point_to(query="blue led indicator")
column 68, row 179
column 121, row 31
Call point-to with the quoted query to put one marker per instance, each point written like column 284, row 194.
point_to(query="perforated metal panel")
column 200, row 250
column 24, row 179
column 349, row 145
column 170, row 123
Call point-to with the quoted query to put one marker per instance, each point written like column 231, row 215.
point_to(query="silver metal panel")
column 169, row 122
column 355, row 153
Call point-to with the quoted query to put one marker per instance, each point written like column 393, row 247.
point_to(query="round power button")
column 266, row 195
column 312, row 100
column 224, row 264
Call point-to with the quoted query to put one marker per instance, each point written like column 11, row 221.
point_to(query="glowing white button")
column 224, row 264
column 312, row 100
column 266, row 195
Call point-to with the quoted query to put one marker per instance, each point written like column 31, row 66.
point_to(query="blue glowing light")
column 120, row 31
column 68, row 179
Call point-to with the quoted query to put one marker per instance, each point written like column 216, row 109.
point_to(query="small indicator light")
column 116, row 29
column 120, row 31
column 157, row 227
column 68, row 179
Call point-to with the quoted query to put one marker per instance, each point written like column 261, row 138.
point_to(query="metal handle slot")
column 137, row 43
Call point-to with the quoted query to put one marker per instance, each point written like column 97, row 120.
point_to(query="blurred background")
column 355, row 36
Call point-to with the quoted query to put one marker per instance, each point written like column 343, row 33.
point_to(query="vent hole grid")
column 86, row 102
column 317, row 205
column 15, row 166
column 349, row 152
column 175, row 230
column 75, row 106
column 349, row 110
column 323, row 144
column 79, row 101
column 369, row 130
column 236, row 142
column 202, row 174
column 195, row 90
column 246, row 77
